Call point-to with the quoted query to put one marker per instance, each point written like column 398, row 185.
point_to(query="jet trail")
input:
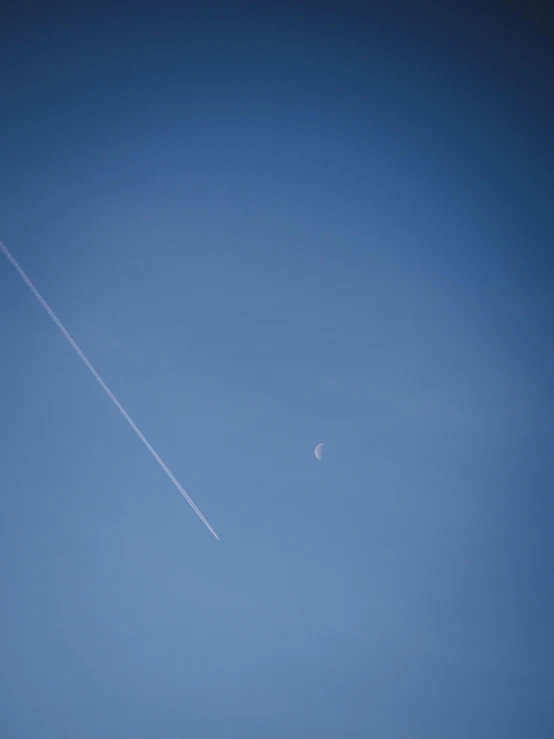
column 107, row 390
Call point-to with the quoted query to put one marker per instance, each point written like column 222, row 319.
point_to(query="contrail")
column 108, row 392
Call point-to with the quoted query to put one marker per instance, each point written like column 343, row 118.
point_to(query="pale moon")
column 319, row 451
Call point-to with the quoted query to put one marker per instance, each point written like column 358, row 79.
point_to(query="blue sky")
column 267, row 230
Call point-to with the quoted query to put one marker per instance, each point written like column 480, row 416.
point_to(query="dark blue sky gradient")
column 268, row 228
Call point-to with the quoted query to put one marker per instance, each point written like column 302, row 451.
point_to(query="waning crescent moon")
column 319, row 450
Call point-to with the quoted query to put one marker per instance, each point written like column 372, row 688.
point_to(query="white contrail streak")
column 107, row 390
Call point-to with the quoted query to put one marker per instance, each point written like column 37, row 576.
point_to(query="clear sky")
column 268, row 230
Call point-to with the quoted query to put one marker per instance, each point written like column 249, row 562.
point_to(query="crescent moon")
column 319, row 450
